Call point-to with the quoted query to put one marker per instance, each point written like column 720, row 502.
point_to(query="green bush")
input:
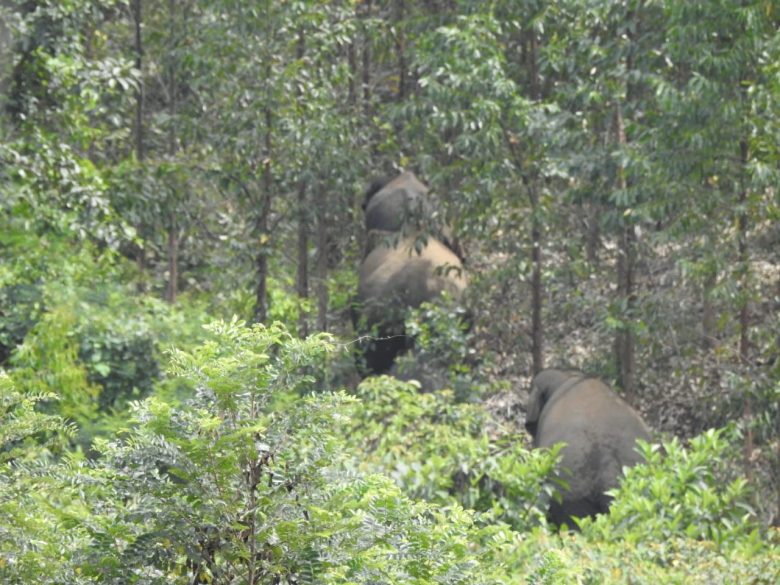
column 680, row 492
column 572, row 558
column 246, row 483
column 444, row 451
column 120, row 354
column 253, row 480
column 34, row 535
column 20, row 308
column 442, row 355
column 47, row 363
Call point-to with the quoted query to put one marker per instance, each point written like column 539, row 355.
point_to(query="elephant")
column 599, row 430
column 401, row 205
column 389, row 203
column 393, row 279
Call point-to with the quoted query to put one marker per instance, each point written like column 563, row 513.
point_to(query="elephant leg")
column 564, row 513
column 603, row 503
column 381, row 352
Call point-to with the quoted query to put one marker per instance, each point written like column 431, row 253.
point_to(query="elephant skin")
column 401, row 206
column 599, row 430
column 393, row 279
column 388, row 205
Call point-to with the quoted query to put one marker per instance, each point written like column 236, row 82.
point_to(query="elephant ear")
column 534, row 407
column 376, row 185
column 544, row 385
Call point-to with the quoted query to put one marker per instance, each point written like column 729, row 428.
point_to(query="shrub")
column 441, row 450
column 692, row 493
column 442, row 355
column 245, row 483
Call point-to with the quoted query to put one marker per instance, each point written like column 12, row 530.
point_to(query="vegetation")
column 180, row 230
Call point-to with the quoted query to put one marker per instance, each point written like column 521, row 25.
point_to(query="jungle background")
column 180, row 230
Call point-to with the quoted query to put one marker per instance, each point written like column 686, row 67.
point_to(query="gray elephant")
column 389, row 204
column 402, row 205
column 393, row 279
column 599, row 430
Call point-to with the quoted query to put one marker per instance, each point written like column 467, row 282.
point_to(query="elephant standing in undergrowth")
column 599, row 430
column 406, row 264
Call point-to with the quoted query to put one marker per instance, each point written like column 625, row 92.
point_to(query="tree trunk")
column 593, row 237
column 537, row 333
column 261, row 227
column 709, row 317
column 625, row 342
column 400, row 48
column 302, row 277
column 172, row 290
column 624, row 339
column 139, row 94
column 173, row 236
column 353, row 72
column 302, row 281
column 367, row 58
column 138, row 133
column 744, row 315
column 322, row 261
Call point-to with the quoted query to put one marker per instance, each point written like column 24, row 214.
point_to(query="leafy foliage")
column 441, row 450
column 229, row 142
column 682, row 492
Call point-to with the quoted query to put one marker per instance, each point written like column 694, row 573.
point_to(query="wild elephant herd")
column 411, row 258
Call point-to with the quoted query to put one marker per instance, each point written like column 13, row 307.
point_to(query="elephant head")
column 393, row 279
column 599, row 431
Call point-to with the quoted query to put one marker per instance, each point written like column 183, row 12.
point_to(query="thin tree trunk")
column 367, row 58
column 352, row 62
column 537, row 333
column 322, row 262
column 138, row 131
column 624, row 341
column 744, row 314
column 172, row 290
column 139, row 94
column 709, row 318
column 302, row 281
column 261, row 227
column 173, row 236
column 400, row 48
column 593, row 236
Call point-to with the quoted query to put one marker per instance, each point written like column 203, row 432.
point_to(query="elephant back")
column 590, row 407
column 599, row 431
column 545, row 384
column 396, row 278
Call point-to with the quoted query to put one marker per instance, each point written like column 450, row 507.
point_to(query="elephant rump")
column 599, row 432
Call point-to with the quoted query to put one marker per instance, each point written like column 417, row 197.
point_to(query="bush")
column 246, row 483
column 119, row 351
column 20, row 307
column 443, row 451
column 251, row 481
column 690, row 493
column 442, row 355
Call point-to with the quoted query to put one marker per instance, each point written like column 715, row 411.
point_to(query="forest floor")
column 685, row 382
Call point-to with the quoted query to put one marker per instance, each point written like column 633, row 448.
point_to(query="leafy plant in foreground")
column 681, row 492
column 444, row 451
column 246, row 483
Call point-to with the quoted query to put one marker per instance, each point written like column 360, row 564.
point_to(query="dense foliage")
column 180, row 226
